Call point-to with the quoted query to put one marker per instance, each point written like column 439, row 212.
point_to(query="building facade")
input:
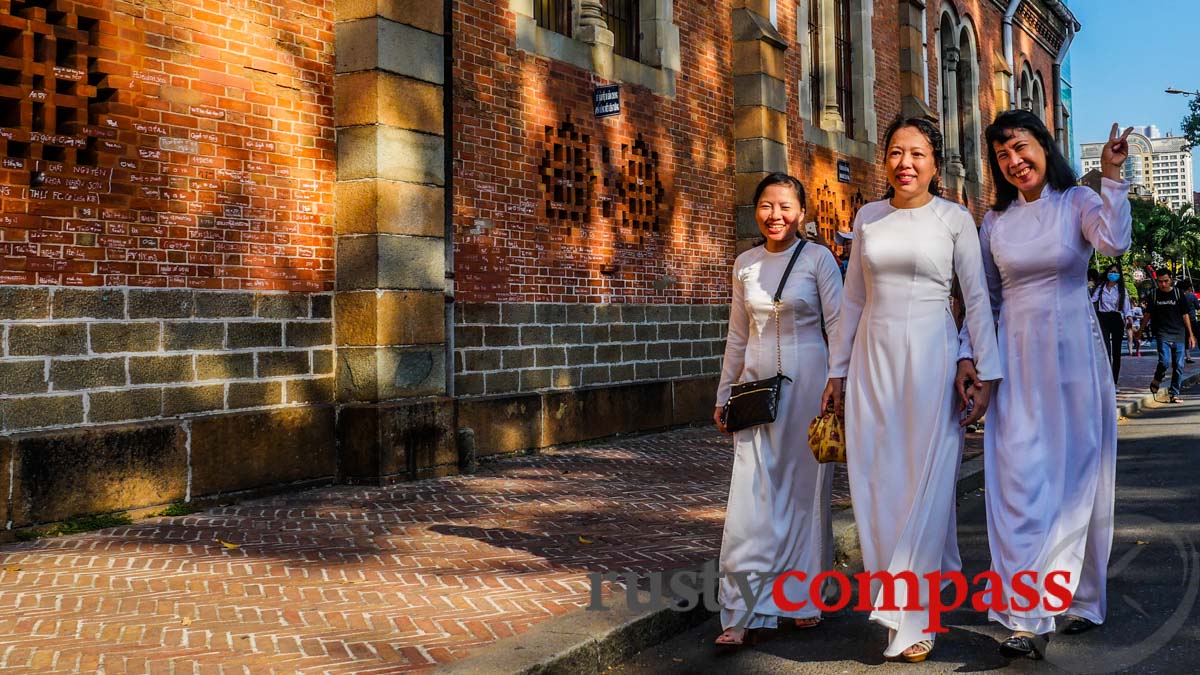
column 251, row 246
column 1159, row 164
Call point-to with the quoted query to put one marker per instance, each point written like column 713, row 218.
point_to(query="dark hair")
column 1093, row 274
column 1116, row 265
column 931, row 133
column 1185, row 285
column 1162, row 271
column 780, row 178
column 1059, row 173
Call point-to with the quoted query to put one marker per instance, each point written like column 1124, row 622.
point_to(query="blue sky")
column 1126, row 55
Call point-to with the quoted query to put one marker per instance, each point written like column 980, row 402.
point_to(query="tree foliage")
column 1165, row 235
column 1191, row 125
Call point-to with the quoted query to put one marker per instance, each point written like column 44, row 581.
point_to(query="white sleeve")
column 735, row 339
column 854, row 298
column 969, row 267
column 829, row 288
column 1106, row 221
column 994, row 283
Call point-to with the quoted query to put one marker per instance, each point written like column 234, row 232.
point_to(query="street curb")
column 589, row 642
column 1147, row 401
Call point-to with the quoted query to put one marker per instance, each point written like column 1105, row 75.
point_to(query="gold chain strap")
column 778, row 342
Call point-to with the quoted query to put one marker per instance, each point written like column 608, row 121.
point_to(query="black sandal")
column 1023, row 645
column 1074, row 625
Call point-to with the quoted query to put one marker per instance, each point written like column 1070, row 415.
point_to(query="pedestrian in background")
column 1135, row 328
column 1111, row 301
column 893, row 356
column 1185, row 286
column 1050, row 445
column 777, row 517
column 1169, row 318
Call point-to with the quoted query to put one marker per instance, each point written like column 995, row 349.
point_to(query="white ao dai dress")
column 897, row 346
column 777, row 519
column 1050, row 443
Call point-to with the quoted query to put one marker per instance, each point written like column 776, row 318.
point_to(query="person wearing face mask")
column 1112, row 308
column 777, row 517
column 1050, row 446
column 893, row 357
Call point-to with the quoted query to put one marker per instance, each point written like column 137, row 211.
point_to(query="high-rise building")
column 1159, row 163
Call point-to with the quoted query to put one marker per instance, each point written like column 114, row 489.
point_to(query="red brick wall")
column 182, row 144
column 507, row 249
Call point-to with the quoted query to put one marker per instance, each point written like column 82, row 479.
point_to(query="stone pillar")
column 831, row 117
column 594, row 31
column 954, row 164
column 391, row 196
column 760, row 107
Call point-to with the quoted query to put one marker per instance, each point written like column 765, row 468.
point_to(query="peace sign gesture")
column 1115, row 152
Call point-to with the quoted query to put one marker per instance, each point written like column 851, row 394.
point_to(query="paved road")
column 1154, row 616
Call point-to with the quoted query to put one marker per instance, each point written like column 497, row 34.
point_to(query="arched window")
column 969, row 131
column 1039, row 98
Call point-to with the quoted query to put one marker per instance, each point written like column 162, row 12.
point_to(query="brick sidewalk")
column 356, row 579
column 364, row 579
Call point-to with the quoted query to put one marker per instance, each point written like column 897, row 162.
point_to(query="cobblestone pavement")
column 367, row 579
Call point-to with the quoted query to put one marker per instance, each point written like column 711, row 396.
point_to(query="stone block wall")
column 74, row 357
column 502, row 348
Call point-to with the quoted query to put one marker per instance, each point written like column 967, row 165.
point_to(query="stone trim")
column 82, row 357
column 829, row 119
column 503, row 348
column 592, row 49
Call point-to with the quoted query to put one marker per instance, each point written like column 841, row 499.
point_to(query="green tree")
column 1191, row 124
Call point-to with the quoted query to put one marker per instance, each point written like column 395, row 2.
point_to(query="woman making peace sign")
column 1050, row 446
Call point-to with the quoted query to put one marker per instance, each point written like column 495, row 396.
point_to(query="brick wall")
column 523, row 347
column 75, row 357
column 515, row 240
column 186, row 144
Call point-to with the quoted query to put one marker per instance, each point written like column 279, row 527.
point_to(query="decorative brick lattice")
column 566, row 173
column 637, row 193
column 51, row 89
column 835, row 212
column 139, row 146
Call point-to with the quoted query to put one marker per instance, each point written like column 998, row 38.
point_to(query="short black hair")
column 1163, row 272
column 1184, row 284
column 780, row 178
column 931, row 133
column 1059, row 174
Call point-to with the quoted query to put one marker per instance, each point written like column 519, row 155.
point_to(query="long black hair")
column 1059, row 174
column 931, row 133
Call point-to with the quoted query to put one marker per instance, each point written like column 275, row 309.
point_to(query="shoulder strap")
column 788, row 271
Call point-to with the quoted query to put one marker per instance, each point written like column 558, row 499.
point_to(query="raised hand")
column 1115, row 152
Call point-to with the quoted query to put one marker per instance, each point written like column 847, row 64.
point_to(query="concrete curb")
column 1147, row 401
column 590, row 642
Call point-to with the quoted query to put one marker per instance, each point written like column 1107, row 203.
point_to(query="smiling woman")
column 894, row 357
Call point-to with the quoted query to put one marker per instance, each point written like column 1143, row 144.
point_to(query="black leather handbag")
column 757, row 402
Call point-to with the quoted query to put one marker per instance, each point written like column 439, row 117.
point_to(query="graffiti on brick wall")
column 132, row 159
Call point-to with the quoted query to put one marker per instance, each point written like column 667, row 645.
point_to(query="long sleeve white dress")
column 777, row 519
column 897, row 347
column 1050, row 444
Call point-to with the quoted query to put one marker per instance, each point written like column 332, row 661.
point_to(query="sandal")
column 1025, row 644
column 915, row 653
column 810, row 622
column 735, row 637
column 1074, row 625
